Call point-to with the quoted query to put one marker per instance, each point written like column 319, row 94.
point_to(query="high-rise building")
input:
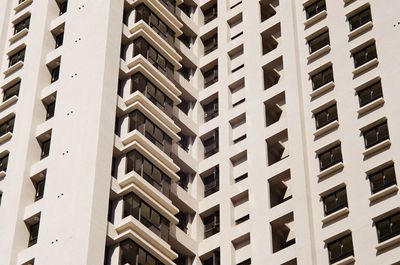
column 199, row 132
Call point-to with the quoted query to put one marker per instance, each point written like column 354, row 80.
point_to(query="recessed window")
column 330, row 157
column 210, row 43
column 45, row 148
column 24, row 24
column 340, row 249
column 388, row 227
column 211, row 181
column 335, row 201
column 365, row 55
column 4, row 163
column 11, row 91
column 210, row 110
column 213, row 258
column 376, row 135
column 210, row 13
column 210, row 76
column 315, row 8
column 59, row 39
column 211, row 143
column 7, row 126
column 63, row 7
column 39, row 187
column 370, row 93
column 322, row 78
column 211, row 224
column 326, row 116
column 55, row 73
column 318, row 42
column 50, row 109
column 382, row 179
column 33, row 234
column 16, row 57
column 360, row 19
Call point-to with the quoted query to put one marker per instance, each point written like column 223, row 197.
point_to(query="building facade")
column 189, row 132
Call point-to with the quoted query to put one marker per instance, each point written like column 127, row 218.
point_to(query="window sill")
column 14, row 68
column 8, row 102
column 4, row 138
column 2, row 174
column 390, row 242
column 318, row 53
column 316, row 18
column 367, row 26
column 327, row 128
column 18, row 35
column 331, row 170
column 377, row 147
column 333, row 216
column 389, row 190
column 370, row 106
column 22, row 5
column 348, row 260
column 362, row 68
column 321, row 90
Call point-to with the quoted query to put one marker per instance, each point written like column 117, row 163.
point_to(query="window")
column 315, row 8
column 133, row 254
column 33, row 234
column 55, row 73
column 211, row 224
column 169, row 4
column 4, row 163
column 45, row 149
column 63, row 7
column 214, row 259
column 138, row 121
column 210, row 44
column 210, row 110
column 16, row 57
column 382, row 179
column 322, row 78
column 211, row 182
column 365, row 55
column 335, row 201
column 330, row 157
column 326, row 116
column 39, row 186
column 24, row 24
column 210, row 76
column 7, row 126
column 211, row 144
column 370, row 94
column 153, row 175
column 340, row 249
column 50, row 108
column 141, row 46
column 59, row 38
column 11, row 91
column 360, row 19
column 210, row 13
column 145, row 14
column 388, row 227
column 376, row 135
column 153, row 93
column 143, row 212
column 318, row 42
